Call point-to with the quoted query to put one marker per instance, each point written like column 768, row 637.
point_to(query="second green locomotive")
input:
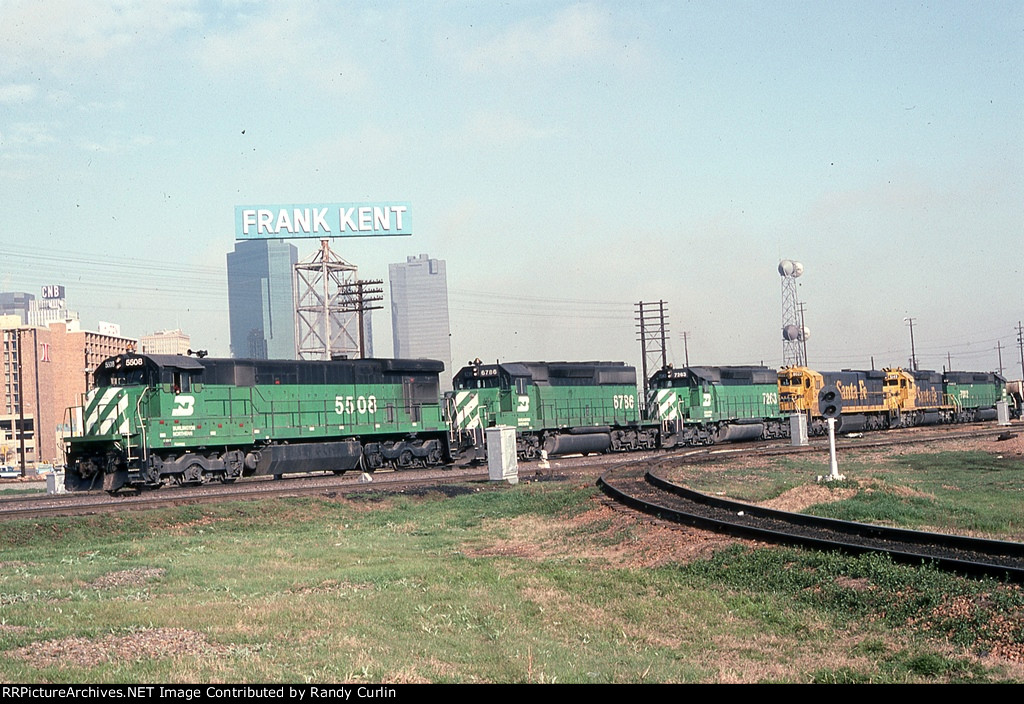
column 556, row 407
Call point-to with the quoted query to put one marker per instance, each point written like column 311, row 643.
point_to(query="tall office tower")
column 261, row 299
column 16, row 303
column 419, row 312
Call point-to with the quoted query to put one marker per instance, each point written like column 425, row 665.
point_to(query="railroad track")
column 645, row 488
column 45, row 506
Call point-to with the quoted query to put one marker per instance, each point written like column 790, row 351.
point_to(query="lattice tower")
column 326, row 307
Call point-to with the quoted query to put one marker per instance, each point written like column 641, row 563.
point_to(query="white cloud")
column 577, row 33
column 59, row 35
column 17, row 93
column 289, row 46
column 493, row 128
column 119, row 145
column 27, row 133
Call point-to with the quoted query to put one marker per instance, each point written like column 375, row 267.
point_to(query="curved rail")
column 647, row 491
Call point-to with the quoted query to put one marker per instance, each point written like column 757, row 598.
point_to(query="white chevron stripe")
column 667, row 404
column 115, row 413
column 467, row 404
column 98, row 407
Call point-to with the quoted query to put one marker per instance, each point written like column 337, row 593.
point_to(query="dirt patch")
column 128, row 578
column 189, row 527
column 857, row 584
column 150, row 644
column 800, row 497
column 1010, row 446
column 1000, row 633
column 608, row 535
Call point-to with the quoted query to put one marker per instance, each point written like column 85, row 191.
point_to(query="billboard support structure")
column 327, row 319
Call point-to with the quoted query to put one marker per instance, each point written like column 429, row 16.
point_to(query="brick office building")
column 46, row 371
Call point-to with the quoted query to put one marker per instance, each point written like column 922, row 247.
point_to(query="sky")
column 567, row 160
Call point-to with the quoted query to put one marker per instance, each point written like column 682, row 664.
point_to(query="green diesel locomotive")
column 556, row 407
column 157, row 419
column 707, row 405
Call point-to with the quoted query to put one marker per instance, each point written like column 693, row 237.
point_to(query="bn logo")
column 183, row 406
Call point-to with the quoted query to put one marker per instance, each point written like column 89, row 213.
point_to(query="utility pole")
column 913, row 352
column 999, row 350
column 1020, row 343
column 651, row 332
column 361, row 296
column 803, row 332
column 686, row 349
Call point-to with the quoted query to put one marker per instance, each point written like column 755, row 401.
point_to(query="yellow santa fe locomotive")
column 891, row 397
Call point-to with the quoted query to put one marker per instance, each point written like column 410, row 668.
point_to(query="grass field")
column 539, row 582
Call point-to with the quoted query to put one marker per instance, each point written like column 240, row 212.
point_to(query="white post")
column 834, row 474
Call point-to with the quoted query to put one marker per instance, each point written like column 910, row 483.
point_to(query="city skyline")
column 565, row 159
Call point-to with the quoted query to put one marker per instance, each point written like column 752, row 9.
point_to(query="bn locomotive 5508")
column 158, row 418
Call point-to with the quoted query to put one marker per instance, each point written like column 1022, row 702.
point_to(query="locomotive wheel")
column 194, row 473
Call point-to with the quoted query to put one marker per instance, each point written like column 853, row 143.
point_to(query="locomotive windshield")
column 485, row 383
column 174, row 371
column 123, row 371
column 135, row 377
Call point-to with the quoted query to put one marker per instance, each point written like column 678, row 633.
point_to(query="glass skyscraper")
column 419, row 312
column 261, row 300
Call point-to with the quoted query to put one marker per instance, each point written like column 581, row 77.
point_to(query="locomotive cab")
column 171, row 372
column 798, row 390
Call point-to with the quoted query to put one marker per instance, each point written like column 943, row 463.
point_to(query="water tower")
column 794, row 332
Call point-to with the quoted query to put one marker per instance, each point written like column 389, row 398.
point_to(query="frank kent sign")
column 323, row 220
